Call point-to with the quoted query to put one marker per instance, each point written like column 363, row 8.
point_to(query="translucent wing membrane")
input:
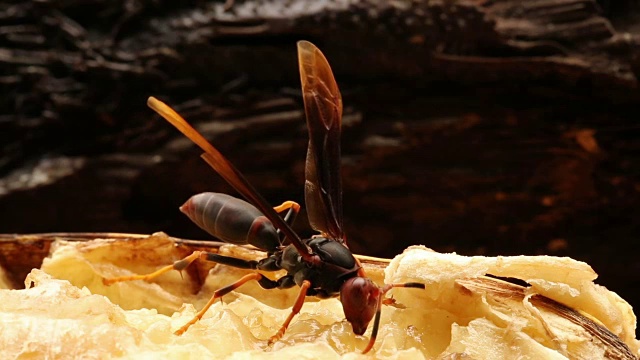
column 228, row 172
column 323, row 107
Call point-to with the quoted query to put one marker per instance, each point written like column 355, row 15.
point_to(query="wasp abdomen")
column 231, row 220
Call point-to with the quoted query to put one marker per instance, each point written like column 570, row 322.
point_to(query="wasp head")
column 359, row 297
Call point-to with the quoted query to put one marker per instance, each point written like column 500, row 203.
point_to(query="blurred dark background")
column 482, row 127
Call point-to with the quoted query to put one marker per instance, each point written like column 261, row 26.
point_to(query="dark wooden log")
column 494, row 127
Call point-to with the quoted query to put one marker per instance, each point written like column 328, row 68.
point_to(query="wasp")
column 322, row 266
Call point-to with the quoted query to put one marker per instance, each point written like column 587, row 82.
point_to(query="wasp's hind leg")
column 183, row 263
column 178, row 265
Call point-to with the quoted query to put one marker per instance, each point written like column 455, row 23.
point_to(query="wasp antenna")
column 376, row 326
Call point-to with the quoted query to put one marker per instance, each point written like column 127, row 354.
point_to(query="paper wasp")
column 322, row 266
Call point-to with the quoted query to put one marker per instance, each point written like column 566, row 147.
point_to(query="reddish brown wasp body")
column 231, row 220
column 322, row 266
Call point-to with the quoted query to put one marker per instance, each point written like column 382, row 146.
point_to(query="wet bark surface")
column 481, row 127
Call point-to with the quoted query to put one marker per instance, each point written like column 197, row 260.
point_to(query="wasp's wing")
column 221, row 165
column 323, row 107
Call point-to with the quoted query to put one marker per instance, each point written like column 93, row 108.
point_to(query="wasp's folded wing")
column 228, row 172
column 323, row 107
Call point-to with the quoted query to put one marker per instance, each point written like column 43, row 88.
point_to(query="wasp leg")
column 293, row 210
column 220, row 293
column 178, row 265
column 265, row 264
column 230, row 261
column 294, row 311
column 284, row 282
column 287, row 205
column 376, row 321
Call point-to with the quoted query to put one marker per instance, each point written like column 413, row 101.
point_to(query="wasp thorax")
column 359, row 297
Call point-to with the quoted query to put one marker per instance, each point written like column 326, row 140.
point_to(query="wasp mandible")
column 322, row 265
